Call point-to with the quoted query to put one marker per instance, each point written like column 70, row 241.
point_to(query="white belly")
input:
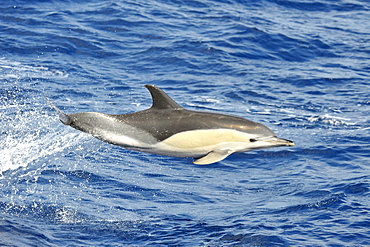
column 198, row 143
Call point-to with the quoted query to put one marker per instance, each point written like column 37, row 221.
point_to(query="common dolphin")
column 168, row 129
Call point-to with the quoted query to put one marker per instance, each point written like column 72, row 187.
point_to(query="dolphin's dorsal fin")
column 160, row 99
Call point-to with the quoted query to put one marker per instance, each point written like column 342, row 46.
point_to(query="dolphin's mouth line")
column 287, row 143
column 275, row 140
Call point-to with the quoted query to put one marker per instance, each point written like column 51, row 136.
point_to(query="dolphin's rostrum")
column 168, row 129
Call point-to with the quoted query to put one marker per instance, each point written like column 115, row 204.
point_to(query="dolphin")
column 168, row 129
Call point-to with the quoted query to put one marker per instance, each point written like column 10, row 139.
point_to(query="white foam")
column 332, row 120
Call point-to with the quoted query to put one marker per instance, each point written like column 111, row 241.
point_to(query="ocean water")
column 299, row 67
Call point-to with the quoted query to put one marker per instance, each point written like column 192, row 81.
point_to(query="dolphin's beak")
column 277, row 141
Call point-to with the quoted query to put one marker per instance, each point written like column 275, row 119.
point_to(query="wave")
column 15, row 71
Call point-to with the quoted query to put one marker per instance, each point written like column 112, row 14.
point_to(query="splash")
column 28, row 132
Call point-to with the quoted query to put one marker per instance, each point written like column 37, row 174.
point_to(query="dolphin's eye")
column 252, row 140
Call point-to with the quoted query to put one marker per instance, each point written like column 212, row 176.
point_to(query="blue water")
column 300, row 67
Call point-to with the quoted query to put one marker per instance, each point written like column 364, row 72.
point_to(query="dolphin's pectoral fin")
column 213, row 157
